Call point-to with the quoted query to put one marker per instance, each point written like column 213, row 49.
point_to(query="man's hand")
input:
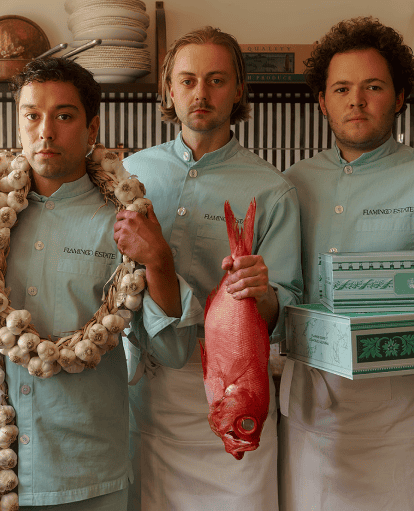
column 140, row 238
column 248, row 277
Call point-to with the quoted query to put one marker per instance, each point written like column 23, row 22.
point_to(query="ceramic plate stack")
column 122, row 26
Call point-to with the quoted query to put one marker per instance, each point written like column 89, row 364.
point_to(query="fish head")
column 235, row 420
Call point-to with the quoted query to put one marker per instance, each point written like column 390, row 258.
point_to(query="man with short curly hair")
column 348, row 445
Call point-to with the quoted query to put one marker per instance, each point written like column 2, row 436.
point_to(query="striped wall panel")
column 283, row 129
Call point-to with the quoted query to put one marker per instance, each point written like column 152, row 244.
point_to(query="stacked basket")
column 121, row 25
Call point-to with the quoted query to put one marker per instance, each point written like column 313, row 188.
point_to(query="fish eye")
column 246, row 424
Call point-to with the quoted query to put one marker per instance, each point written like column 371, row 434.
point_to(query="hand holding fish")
column 247, row 276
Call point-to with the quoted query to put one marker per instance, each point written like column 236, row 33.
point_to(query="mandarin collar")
column 185, row 154
column 387, row 148
column 66, row 190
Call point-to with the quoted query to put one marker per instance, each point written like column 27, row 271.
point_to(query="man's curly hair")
column 60, row 70
column 360, row 34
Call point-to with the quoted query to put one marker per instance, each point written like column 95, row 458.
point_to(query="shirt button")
column 32, row 291
column 174, row 252
column 348, row 169
column 339, row 209
column 39, row 245
column 333, row 250
column 25, row 389
column 186, row 156
column 24, row 439
column 193, row 173
column 182, row 211
column 50, row 204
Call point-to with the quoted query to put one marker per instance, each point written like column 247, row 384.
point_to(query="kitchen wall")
column 251, row 21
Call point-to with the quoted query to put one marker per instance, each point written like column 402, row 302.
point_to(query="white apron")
column 346, row 445
column 180, row 464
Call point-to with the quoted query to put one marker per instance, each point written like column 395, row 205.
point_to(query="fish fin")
column 241, row 241
column 203, row 359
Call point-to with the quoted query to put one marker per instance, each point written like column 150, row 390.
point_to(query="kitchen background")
column 285, row 124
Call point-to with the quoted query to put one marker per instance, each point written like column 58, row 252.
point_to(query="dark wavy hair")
column 61, row 70
column 205, row 35
column 360, row 34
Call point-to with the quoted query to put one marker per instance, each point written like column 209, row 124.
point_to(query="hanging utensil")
column 52, row 51
column 84, row 47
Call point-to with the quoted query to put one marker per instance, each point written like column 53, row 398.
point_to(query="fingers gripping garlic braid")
column 19, row 340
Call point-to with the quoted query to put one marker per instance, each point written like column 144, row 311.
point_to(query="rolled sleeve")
column 169, row 340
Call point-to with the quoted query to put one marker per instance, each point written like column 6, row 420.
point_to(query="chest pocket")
column 385, row 233
column 79, row 289
column 210, row 248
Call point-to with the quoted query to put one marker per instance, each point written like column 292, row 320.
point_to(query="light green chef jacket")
column 73, row 428
column 363, row 206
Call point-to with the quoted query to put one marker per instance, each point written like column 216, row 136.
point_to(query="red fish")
column 236, row 354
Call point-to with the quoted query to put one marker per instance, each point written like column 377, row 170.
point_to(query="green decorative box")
column 365, row 282
column 351, row 345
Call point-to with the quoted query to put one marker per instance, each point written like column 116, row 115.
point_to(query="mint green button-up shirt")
column 362, row 206
column 188, row 198
column 73, row 428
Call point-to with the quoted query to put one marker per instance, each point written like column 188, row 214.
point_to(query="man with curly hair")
column 344, row 444
column 179, row 462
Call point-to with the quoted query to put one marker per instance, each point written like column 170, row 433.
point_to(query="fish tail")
column 241, row 241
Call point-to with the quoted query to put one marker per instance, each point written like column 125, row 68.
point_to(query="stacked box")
column 353, row 345
column 367, row 282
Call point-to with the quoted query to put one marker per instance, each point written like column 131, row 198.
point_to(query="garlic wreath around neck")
column 19, row 339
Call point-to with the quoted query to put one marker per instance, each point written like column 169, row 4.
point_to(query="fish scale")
column 236, row 354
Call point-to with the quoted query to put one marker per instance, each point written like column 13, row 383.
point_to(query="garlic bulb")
column 7, row 414
column 3, row 199
column 98, row 153
column 9, row 502
column 5, row 185
column 8, row 217
column 17, row 201
column 4, row 236
column 18, row 179
column 7, row 339
column 128, row 190
column 48, row 351
column 4, row 302
column 67, row 357
column 93, row 362
column 18, row 320
column 113, row 323
column 132, row 283
column 139, row 205
column 2, row 376
column 28, row 342
column 8, row 481
column 40, row 368
column 6, row 157
column 109, row 162
column 111, row 343
column 77, row 367
column 4, row 351
column 17, row 356
column 8, row 435
column 20, row 163
column 86, row 350
column 8, row 458
column 98, row 334
column 133, row 302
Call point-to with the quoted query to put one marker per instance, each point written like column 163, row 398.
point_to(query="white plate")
column 73, row 5
column 111, row 42
column 99, row 11
column 115, row 32
column 110, row 75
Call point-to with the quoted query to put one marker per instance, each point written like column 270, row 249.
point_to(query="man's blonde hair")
column 205, row 35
